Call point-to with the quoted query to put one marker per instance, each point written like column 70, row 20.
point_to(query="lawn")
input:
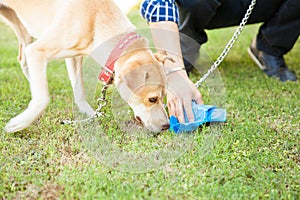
column 254, row 155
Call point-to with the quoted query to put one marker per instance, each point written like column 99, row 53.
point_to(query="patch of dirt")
column 50, row 191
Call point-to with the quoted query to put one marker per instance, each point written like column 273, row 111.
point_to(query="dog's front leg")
column 37, row 63
column 74, row 67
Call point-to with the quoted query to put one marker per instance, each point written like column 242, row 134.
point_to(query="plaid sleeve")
column 159, row 10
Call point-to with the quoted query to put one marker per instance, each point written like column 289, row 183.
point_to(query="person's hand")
column 181, row 91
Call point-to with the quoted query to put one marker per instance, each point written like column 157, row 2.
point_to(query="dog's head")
column 141, row 82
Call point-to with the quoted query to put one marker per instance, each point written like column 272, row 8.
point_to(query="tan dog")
column 72, row 29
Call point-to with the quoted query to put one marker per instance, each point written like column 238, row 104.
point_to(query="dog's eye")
column 153, row 99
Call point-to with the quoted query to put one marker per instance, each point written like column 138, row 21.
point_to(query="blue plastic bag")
column 202, row 115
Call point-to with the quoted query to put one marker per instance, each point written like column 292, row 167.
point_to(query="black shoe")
column 272, row 66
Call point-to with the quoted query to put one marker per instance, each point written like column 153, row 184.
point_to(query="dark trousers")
column 276, row 36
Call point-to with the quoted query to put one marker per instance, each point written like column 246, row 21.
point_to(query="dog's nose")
column 138, row 119
column 165, row 127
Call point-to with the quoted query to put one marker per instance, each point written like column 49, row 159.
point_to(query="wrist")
column 172, row 70
column 177, row 72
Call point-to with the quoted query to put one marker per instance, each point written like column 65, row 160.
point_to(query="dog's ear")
column 162, row 56
column 124, row 91
column 135, row 79
column 132, row 81
column 141, row 43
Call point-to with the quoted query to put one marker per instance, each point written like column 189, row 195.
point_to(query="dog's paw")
column 16, row 124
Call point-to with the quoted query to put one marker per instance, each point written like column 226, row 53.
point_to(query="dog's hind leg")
column 74, row 67
column 24, row 38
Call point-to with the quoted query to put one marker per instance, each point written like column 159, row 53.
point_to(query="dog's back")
column 98, row 18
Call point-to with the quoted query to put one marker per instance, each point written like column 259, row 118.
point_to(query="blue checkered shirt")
column 159, row 10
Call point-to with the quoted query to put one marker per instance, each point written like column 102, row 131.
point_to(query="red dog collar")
column 108, row 70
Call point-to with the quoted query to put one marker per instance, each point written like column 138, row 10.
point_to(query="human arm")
column 181, row 90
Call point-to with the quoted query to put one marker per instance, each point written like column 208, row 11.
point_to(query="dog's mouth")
column 164, row 127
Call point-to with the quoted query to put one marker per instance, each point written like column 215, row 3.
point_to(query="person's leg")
column 284, row 12
column 278, row 35
column 231, row 13
column 191, row 39
column 190, row 13
column 275, row 38
column 198, row 15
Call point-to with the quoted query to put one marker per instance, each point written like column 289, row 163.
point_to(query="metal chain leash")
column 101, row 102
column 229, row 45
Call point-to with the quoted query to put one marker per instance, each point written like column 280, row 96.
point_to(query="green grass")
column 255, row 155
